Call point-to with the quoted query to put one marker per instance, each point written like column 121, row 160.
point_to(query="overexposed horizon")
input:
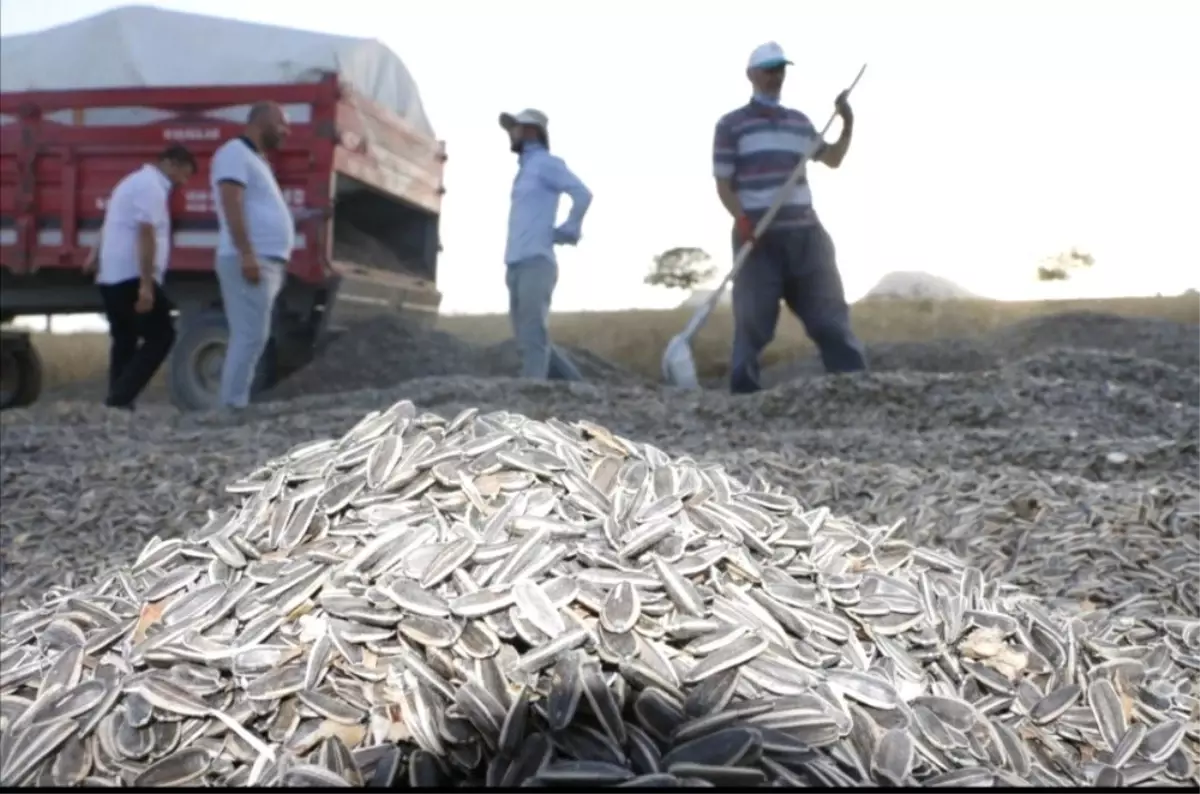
column 989, row 135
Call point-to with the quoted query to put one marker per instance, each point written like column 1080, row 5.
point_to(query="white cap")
column 766, row 56
column 534, row 118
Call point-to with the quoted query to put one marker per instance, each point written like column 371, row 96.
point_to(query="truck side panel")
column 57, row 173
column 379, row 149
column 62, row 152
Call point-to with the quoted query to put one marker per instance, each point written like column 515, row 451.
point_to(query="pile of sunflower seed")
column 495, row 600
column 1085, row 492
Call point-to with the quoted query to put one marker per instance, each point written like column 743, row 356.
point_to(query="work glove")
column 745, row 229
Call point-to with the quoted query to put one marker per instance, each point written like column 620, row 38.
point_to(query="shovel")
column 678, row 366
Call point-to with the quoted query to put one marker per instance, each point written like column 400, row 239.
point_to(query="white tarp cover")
column 141, row 46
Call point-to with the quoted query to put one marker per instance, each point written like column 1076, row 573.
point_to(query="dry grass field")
column 635, row 339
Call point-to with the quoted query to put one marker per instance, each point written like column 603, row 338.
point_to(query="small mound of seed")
column 497, row 601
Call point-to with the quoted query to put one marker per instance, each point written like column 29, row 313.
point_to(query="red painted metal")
column 55, row 177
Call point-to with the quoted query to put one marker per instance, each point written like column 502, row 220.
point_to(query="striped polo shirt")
column 758, row 146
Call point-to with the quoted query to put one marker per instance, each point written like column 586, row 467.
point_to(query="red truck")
column 378, row 251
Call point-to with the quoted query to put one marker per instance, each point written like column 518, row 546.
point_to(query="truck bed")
column 60, row 157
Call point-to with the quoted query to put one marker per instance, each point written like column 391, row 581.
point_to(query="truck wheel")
column 194, row 371
column 20, row 373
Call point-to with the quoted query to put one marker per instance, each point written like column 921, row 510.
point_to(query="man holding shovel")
column 755, row 149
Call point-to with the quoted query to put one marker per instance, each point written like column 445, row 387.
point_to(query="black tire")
column 22, row 374
column 194, row 370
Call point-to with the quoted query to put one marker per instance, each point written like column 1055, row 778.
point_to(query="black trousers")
column 799, row 267
column 140, row 342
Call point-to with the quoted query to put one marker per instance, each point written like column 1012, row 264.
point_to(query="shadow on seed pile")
column 1094, row 345
column 1173, row 343
column 995, row 400
column 380, row 352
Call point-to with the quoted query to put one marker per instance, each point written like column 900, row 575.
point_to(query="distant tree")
column 1061, row 266
column 681, row 268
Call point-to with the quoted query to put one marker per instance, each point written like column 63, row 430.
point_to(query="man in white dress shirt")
column 131, row 259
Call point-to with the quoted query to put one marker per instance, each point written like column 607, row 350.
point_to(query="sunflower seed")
column 893, row 758
column 622, row 609
column 177, row 769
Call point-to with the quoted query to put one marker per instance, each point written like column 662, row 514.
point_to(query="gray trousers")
column 799, row 267
column 248, row 311
column 531, row 285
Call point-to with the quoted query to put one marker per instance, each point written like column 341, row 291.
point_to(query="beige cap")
column 534, row 118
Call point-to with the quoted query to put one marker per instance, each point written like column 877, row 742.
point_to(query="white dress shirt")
column 141, row 197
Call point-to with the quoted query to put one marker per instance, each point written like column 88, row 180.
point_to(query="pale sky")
column 988, row 135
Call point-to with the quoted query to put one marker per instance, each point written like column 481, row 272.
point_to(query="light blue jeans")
column 248, row 309
column 531, row 285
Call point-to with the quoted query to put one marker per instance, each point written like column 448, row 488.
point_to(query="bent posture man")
column 132, row 256
column 257, row 233
column 541, row 180
column 755, row 149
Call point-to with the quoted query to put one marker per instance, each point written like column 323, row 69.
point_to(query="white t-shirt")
column 269, row 222
column 141, row 197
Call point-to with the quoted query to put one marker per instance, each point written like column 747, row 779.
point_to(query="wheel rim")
column 207, row 361
column 10, row 377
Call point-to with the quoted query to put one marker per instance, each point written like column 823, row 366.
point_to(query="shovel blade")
column 678, row 366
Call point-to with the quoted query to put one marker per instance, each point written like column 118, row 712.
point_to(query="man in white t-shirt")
column 258, row 232
column 131, row 261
